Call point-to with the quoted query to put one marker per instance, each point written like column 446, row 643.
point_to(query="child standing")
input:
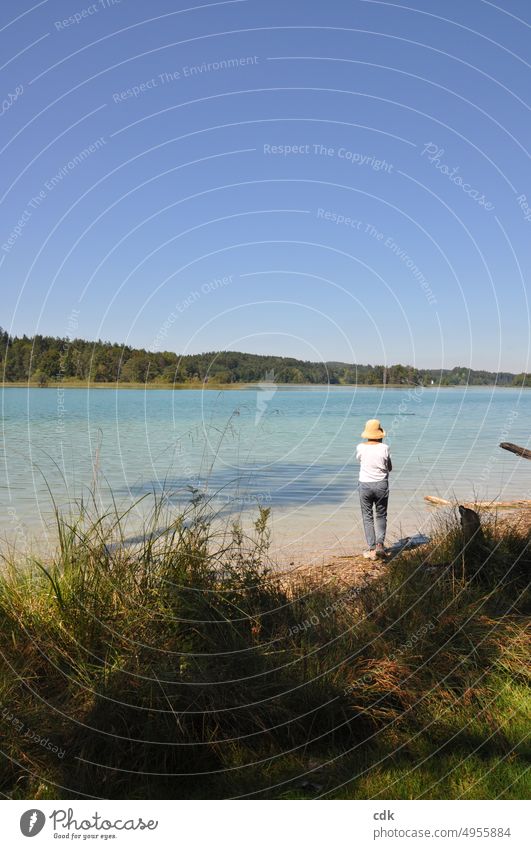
column 375, row 465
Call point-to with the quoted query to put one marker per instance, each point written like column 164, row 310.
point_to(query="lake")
column 291, row 449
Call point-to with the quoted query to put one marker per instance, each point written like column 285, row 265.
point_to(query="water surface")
column 289, row 449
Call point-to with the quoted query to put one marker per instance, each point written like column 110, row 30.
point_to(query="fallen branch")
column 433, row 499
column 484, row 505
column 516, row 449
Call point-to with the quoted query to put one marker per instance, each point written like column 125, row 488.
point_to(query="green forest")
column 45, row 360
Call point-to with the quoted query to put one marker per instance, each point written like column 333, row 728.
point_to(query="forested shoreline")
column 46, row 359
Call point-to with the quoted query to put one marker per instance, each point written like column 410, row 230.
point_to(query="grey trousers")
column 374, row 494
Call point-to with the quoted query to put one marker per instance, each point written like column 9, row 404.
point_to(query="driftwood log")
column 484, row 505
column 516, row 449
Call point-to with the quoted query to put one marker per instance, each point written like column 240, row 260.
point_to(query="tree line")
column 47, row 359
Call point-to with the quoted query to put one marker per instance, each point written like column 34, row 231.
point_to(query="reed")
column 182, row 665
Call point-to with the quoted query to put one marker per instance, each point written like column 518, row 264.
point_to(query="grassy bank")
column 186, row 667
column 84, row 384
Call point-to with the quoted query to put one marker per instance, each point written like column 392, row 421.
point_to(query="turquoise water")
column 288, row 449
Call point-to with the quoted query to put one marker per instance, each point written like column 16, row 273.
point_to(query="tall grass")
column 184, row 665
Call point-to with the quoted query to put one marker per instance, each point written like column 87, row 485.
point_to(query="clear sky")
column 345, row 180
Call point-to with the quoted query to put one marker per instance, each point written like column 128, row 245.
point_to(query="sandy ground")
column 345, row 571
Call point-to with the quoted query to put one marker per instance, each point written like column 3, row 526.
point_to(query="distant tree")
column 40, row 378
column 136, row 369
column 521, row 380
column 23, row 357
column 220, row 375
column 50, row 362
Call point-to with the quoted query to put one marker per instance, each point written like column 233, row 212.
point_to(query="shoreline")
column 234, row 387
column 288, row 556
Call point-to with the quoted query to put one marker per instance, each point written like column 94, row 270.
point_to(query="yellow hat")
column 373, row 430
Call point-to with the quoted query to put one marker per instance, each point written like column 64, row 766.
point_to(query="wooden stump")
column 474, row 549
column 471, row 525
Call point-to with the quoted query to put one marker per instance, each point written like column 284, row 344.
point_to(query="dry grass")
column 184, row 666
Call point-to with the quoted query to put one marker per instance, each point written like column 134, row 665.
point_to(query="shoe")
column 370, row 554
column 380, row 551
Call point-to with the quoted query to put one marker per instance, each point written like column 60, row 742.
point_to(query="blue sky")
column 332, row 181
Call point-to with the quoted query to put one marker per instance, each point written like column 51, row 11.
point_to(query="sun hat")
column 373, row 430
